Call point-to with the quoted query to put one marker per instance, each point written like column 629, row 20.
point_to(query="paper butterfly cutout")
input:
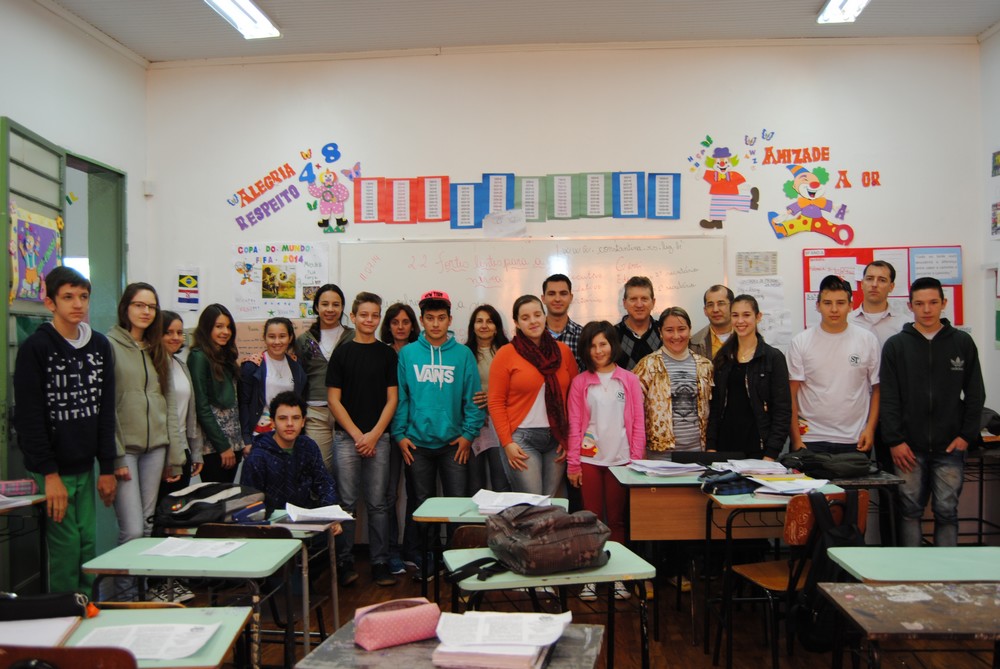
column 306, row 155
column 352, row 173
column 234, row 200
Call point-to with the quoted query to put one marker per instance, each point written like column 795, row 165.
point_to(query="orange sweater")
column 514, row 385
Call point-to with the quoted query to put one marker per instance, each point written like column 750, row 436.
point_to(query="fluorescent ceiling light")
column 841, row 11
column 245, row 17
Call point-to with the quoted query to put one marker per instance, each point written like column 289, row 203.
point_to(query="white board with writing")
column 497, row 272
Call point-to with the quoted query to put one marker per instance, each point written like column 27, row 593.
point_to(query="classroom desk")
column 623, row 565
column 233, row 619
column 36, row 503
column 925, row 611
column 662, row 508
column 747, row 517
column 886, row 484
column 448, row 510
column 872, row 564
column 577, row 648
column 256, row 559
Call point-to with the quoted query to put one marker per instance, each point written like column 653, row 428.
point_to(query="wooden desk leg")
column 306, row 623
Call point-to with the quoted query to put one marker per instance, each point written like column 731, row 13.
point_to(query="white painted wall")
column 76, row 92
column 909, row 111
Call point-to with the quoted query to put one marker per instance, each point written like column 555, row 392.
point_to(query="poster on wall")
column 35, row 250
column 277, row 279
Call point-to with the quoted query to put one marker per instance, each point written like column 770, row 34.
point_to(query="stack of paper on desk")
column 787, row 488
column 752, row 466
column 491, row 640
column 490, row 502
column 665, row 468
column 333, row 512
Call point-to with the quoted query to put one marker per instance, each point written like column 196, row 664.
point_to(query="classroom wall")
column 909, row 111
column 78, row 93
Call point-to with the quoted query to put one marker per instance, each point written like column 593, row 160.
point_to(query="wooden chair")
column 236, row 531
column 15, row 657
column 780, row 580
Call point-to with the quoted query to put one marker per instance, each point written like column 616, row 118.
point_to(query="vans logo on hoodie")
column 957, row 364
column 434, row 373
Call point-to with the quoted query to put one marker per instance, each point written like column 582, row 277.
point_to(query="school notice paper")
column 174, row 547
column 153, row 642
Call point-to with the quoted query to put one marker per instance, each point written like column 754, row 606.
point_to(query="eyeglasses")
column 142, row 306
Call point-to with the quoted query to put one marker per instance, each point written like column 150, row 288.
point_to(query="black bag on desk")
column 537, row 540
column 813, row 616
column 829, row 465
column 205, row 503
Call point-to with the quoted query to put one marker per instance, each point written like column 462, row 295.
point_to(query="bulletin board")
column 910, row 262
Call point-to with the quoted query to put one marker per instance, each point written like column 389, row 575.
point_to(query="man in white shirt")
column 833, row 372
column 873, row 314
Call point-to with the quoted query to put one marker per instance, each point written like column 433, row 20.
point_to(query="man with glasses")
column 708, row 340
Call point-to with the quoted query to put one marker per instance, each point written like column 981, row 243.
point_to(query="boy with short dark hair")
column 65, row 418
column 932, row 404
column 362, row 394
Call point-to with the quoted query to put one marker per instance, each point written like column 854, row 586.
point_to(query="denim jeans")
column 936, row 476
column 135, row 503
column 488, row 470
column 543, row 476
column 422, row 473
column 357, row 476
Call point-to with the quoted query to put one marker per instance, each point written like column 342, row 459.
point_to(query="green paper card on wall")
column 564, row 193
column 530, row 196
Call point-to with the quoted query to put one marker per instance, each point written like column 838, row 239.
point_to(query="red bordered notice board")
column 910, row 262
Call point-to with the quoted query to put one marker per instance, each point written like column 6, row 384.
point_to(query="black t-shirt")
column 738, row 431
column 363, row 372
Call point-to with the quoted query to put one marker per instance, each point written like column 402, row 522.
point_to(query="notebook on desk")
column 705, row 458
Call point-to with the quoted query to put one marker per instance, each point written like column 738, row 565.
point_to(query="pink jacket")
column 579, row 415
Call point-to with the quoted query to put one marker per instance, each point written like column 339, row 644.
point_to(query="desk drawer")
column 677, row 513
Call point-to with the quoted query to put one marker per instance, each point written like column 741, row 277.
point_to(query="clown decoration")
column 805, row 213
column 724, row 188
column 332, row 195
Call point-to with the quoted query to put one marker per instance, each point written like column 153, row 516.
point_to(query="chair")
column 15, row 657
column 780, row 580
column 236, row 531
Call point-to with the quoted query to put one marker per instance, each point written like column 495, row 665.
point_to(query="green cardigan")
column 209, row 392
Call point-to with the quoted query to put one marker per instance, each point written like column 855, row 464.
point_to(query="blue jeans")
column 422, row 473
column 368, row 476
column 936, row 476
column 543, row 475
column 135, row 503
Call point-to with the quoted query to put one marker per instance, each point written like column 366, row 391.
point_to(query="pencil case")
column 48, row 605
column 395, row 622
column 18, row 488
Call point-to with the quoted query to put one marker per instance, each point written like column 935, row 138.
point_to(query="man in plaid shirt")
column 557, row 295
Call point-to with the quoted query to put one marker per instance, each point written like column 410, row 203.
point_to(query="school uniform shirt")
column 612, row 407
column 364, row 372
column 837, row 372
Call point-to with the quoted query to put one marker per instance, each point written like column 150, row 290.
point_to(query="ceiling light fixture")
column 841, row 11
column 245, row 17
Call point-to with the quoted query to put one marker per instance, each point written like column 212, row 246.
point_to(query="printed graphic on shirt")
column 74, row 388
column 434, row 373
column 684, row 389
column 957, row 364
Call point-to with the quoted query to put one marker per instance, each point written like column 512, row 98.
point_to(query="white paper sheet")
column 153, row 642
column 333, row 512
column 494, row 502
column 176, row 547
column 490, row 627
column 40, row 632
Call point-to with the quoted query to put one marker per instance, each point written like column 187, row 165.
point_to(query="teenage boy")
column 932, row 403
column 362, row 394
column 557, row 295
column 707, row 341
column 873, row 313
column 64, row 397
column 833, row 375
column 637, row 330
column 436, row 419
column 286, row 464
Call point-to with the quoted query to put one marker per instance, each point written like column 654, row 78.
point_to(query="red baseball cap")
column 438, row 295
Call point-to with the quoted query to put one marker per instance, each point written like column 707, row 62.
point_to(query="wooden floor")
column 676, row 648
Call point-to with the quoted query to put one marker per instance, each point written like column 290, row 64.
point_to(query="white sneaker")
column 589, row 593
column 161, row 593
column 621, row 592
column 182, row 593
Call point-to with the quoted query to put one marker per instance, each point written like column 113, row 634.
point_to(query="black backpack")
column 830, row 465
column 208, row 503
column 813, row 616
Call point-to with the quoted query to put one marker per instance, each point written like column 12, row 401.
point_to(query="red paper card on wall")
column 369, row 200
column 401, row 200
column 434, row 205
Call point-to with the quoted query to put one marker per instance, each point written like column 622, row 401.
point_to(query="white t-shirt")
column 537, row 416
column 606, row 401
column 182, row 392
column 328, row 340
column 278, row 379
column 837, row 372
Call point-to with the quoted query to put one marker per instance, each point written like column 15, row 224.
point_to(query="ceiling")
column 177, row 30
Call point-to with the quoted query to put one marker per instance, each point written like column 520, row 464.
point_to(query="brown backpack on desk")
column 535, row 540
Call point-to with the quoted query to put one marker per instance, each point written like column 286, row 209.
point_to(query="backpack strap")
column 821, row 511
column 482, row 569
column 851, row 508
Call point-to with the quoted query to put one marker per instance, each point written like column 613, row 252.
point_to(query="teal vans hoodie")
column 436, row 387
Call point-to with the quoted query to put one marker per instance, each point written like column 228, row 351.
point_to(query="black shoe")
column 346, row 575
column 381, row 575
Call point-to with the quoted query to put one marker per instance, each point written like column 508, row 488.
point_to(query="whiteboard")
column 498, row 271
